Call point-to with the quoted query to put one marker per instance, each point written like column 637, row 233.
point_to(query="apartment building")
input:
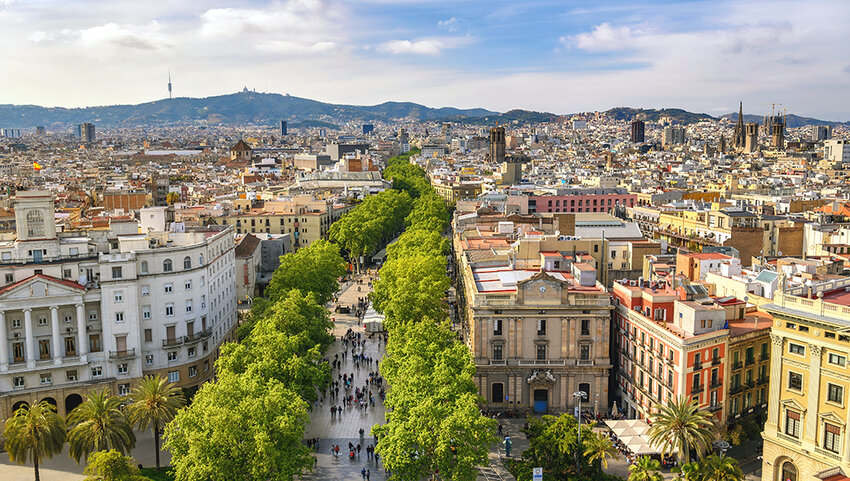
column 582, row 200
column 77, row 314
column 537, row 334
column 684, row 342
column 305, row 222
column 806, row 434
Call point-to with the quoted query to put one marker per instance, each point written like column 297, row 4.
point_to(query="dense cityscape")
column 260, row 286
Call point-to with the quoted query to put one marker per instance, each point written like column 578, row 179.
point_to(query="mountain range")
column 268, row 108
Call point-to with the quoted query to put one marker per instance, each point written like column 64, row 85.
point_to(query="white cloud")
column 605, row 37
column 145, row 37
column 451, row 24
column 425, row 46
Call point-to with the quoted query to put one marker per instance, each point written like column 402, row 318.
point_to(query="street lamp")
column 579, row 395
column 723, row 446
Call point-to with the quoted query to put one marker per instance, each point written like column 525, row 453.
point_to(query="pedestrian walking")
column 368, row 474
column 363, row 473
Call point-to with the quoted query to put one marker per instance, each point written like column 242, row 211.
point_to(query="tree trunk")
column 35, row 467
column 156, row 442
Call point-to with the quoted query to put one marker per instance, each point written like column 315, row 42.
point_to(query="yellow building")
column 305, row 224
column 453, row 192
column 806, row 434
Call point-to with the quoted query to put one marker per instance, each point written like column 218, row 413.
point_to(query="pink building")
column 582, row 200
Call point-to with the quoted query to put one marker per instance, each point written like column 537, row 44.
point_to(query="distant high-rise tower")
column 739, row 137
column 169, row 83
column 638, row 133
column 86, row 132
column 751, row 138
column 821, row 132
column 777, row 135
column 722, row 147
column 446, row 132
column 497, row 145
column 283, row 130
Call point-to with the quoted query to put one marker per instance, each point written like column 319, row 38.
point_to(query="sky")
column 556, row 56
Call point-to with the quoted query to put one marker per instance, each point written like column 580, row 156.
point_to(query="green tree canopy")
column 99, row 424
column 240, row 427
column 645, row 469
column 412, row 288
column 719, row 468
column 315, row 268
column 418, row 242
column 429, row 213
column 681, row 426
column 112, row 466
column 34, row 432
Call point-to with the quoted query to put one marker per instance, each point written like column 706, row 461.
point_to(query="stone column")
column 519, row 350
column 4, row 343
column 776, row 354
column 82, row 346
column 564, row 338
column 30, row 340
column 813, row 394
column 57, row 341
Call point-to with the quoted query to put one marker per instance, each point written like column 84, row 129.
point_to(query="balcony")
column 697, row 388
column 197, row 336
column 715, row 407
column 541, row 362
column 125, row 354
column 737, row 365
column 172, row 342
column 762, row 380
column 498, row 362
column 736, row 389
column 697, row 366
column 715, row 361
column 750, row 361
column 716, row 383
column 584, row 362
column 763, row 357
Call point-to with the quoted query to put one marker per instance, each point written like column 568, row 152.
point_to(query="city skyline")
column 546, row 56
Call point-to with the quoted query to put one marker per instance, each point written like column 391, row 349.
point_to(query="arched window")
column 187, row 262
column 144, row 267
column 35, row 223
column 789, row 471
column 201, row 260
column 166, row 265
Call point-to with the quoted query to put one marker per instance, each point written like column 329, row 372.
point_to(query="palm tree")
column 645, row 469
column 597, row 447
column 99, row 424
column 155, row 402
column 680, row 425
column 35, row 432
column 720, row 468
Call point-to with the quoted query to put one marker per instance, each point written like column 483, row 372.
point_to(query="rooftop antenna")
column 169, row 84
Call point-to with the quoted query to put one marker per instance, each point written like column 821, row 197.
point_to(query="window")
column 94, row 343
column 146, row 290
column 122, row 368
column 70, row 346
column 585, row 352
column 116, row 273
column 123, row 389
column 167, row 266
column 169, row 310
column 42, row 320
column 585, row 327
column 71, row 376
column 193, row 371
column 497, row 392
column 169, row 288
column 44, row 348
column 188, row 285
column 831, row 437
column 189, row 305
column 734, row 405
column 837, row 359
column 97, row 371
column 118, row 296
column 541, row 327
column 187, row 263
column 796, row 349
column 191, row 352
column 149, row 359
column 144, row 267
column 46, row 379
column 497, row 327
column 541, row 352
column 792, row 423
column 835, row 393
column 715, row 353
column 697, row 360
column 16, row 323
column 795, row 381
column 92, row 315
column 18, row 382
column 172, row 355
column 173, row 376
column 119, row 317
column 148, row 335
column 146, row 312
column 66, row 273
column 585, row 390
column 9, row 278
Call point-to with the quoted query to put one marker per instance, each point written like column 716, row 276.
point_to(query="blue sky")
column 557, row 56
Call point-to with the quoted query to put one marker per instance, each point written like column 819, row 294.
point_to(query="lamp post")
column 723, row 446
column 579, row 395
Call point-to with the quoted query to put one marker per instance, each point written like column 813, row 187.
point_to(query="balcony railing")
column 736, row 389
column 763, row 357
column 716, row 383
column 715, row 407
column 172, row 342
column 197, row 336
column 737, row 365
column 541, row 362
column 715, row 361
column 762, row 380
column 750, row 361
column 498, row 362
column 697, row 388
column 125, row 354
column 697, row 366
column 584, row 362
